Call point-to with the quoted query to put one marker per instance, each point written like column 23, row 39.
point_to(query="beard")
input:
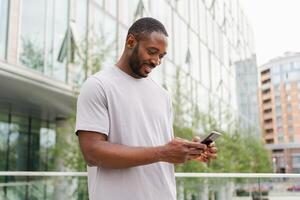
column 135, row 63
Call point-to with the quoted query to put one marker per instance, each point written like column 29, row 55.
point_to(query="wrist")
column 159, row 154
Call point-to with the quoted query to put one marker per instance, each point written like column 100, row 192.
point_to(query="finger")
column 210, row 155
column 192, row 157
column 212, row 145
column 212, row 150
column 202, row 158
column 181, row 139
column 195, row 145
column 194, row 151
column 196, row 139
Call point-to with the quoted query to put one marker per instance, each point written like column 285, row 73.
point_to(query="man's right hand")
column 179, row 150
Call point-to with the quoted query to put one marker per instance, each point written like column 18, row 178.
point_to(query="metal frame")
column 178, row 175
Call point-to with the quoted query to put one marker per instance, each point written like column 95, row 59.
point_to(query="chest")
column 138, row 101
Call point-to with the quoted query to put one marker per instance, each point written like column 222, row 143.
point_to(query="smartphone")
column 211, row 137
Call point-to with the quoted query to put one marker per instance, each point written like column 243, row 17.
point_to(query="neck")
column 123, row 64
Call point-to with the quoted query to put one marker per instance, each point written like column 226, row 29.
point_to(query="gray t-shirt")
column 133, row 112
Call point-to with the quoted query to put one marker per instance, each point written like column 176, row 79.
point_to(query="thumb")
column 196, row 139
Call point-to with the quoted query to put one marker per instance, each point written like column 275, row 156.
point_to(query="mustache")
column 149, row 64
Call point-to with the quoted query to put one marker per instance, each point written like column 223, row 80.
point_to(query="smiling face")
column 146, row 53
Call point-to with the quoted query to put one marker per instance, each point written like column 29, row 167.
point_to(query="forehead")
column 156, row 40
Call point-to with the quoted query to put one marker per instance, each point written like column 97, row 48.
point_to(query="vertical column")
column 71, row 20
column 63, row 185
column 13, row 31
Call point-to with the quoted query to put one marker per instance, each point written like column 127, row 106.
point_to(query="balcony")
column 265, row 76
column 202, row 186
column 266, row 96
column 268, row 126
column 269, row 136
column 268, row 116
column 266, row 86
column 267, row 106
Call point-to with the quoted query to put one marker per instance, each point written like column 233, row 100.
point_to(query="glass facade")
column 247, row 93
column 44, row 26
column 4, row 6
column 69, row 40
column 26, row 143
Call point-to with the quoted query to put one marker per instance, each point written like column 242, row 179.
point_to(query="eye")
column 161, row 56
column 151, row 52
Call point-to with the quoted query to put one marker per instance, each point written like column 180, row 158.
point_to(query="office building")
column 280, row 111
column 49, row 47
column 247, row 95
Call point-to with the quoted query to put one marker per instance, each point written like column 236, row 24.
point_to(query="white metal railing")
column 179, row 175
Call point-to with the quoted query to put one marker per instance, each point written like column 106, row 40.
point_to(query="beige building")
column 280, row 111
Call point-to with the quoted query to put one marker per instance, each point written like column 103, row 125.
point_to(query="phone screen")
column 211, row 137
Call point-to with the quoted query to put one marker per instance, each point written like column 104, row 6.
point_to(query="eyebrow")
column 156, row 49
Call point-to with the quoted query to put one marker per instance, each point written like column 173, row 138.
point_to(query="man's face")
column 147, row 54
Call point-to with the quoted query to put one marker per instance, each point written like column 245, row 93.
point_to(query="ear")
column 131, row 41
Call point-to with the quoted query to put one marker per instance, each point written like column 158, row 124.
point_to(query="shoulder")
column 100, row 79
column 160, row 88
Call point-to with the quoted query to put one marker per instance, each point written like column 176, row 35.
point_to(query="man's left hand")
column 209, row 154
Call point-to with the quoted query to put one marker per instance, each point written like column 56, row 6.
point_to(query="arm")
column 97, row 151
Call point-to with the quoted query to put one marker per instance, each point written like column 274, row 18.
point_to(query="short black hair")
column 146, row 25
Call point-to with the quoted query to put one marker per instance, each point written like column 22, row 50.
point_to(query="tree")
column 31, row 55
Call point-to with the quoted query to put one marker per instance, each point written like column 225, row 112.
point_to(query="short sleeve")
column 92, row 111
column 171, row 115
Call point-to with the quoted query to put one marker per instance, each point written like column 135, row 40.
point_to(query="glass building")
column 49, row 47
column 247, row 95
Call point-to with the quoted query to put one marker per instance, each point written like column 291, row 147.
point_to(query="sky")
column 276, row 27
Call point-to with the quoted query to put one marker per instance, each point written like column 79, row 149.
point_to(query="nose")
column 155, row 61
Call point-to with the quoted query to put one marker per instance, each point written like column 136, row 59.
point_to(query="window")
column 205, row 71
column 195, row 61
column 180, row 38
column 42, row 48
column 276, row 79
column 287, row 86
column 203, row 24
column 275, row 69
column 290, row 118
column 183, row 9
column 126, row 15
column 278, row 122
column 278, row 110
column 291, row 138
column 80, row 28
column 28, row 144
column 194, row 9
column 280, row 138
column 290, row 129
column 104, row 27
column 278, row 118
column 289, row 107
column 3, row 27
column 4, row 134
column 296, row 161
column 293, row 76
column 111, row 6
column 32, row 34
column 277, row 100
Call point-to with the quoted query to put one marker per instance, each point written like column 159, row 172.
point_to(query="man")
column 124, row 124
